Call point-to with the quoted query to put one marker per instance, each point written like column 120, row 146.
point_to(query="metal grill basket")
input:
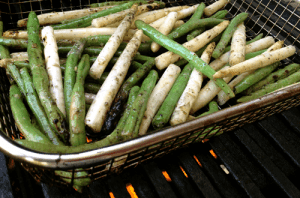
column 279, row 19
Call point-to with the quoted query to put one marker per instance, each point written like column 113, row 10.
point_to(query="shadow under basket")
column 279, row 19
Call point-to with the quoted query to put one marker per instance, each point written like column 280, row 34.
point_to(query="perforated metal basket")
column 279, row 19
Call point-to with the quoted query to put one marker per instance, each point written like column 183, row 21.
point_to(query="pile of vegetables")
column 121, row 69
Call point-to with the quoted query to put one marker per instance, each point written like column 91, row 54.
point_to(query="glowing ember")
column 131, row 191
column 205, row 140
column 184, row 172
column 88, row 140
column 197, row 160
column 166, row 175
column 111, row 195
column 213, row 153
column 22, row 136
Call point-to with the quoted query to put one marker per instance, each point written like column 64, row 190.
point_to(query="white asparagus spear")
column 89, row 98
column 158, row 95
column 117, row 17
column 165, row 28
column 190, row 93
column 178, row 23
column 211, row 9
column 74, row 34
column 223, row 97
column 96, row 115
column 4, row 62
column 53, row 68
column 253, row 47
column 257, row 62
column 181, row 14
column 57, row 17
column 109, row 19
column 20, row 56
column 23, row 56
column 207, row 93
column 238, row 45
column 149, row 17
column 112, row 45
column 163, row 60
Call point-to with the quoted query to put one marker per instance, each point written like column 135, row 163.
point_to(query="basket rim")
column 92, row 157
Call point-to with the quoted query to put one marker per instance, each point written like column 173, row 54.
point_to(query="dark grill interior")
column 257, row 160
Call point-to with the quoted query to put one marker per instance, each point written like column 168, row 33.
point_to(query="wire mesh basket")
column 279, row 19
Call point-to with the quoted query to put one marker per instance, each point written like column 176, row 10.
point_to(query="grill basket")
column 279, row 19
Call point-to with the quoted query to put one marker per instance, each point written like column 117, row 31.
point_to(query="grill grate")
column 258, row 160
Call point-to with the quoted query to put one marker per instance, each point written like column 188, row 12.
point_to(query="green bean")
column 165, row 111
column 295, row 77
column 15, row 74
column 219, row 15
column 113, row 138
column 227, row 34
column 86, row 20
column 99, row 81
column 70, row 74
column 185, row 28
column 40, row 77
column 14, row 43
column 36, row 107
column 137, row 111
column 92, row 88
column 81, row 178
column 22, row 117
column 213, row 107
column 195, row 33
column 273, row 77
column 196, row 24
column 92, row 51
column 255, row 77
column 77, row 107
column 183, row 62
column 176, row 48
column 118, row 104
column 228, row 48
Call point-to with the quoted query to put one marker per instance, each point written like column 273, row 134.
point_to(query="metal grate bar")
column 181, row 183
column 245, row 161
column 118, row 188
column 161, row 186
column 268, row 147
column 285, row 184
column 197, row 175
column 294, row 121
column 235, row 169
column 290, row 149
column 224, row 184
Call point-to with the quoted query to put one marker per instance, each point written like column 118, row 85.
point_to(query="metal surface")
column 263, row 18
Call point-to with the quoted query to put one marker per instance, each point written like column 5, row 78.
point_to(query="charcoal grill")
column 277, row 18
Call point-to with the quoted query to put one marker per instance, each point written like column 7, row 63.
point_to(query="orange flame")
column 205, row 140
column 184, row 172
column 21, row 136
column 213, row 153
column 166, row 175
column 131, row 191
column 88, row 140
column 197, row 160
column 111, row 195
